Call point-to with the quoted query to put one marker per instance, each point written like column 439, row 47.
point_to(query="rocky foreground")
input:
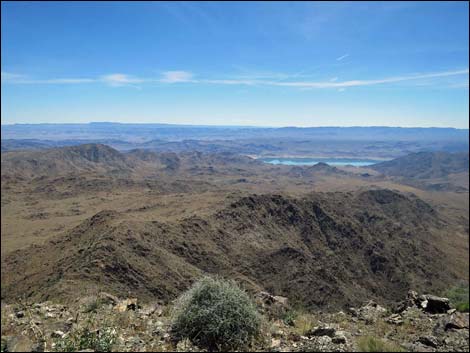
column 103, row 322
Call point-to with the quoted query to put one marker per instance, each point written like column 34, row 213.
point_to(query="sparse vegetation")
column 459, row 297
column 92, row 306
column 373, row 344
column 303, row 323
column 289, row 317
column 216, row 314
column 98, row 339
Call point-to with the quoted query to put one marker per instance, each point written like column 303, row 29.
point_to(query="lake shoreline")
column 309, row 161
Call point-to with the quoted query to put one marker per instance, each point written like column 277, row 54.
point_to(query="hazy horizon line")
column 242, row 126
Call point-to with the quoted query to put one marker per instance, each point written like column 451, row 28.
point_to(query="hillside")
column 104, row 160
column 425, row 165
column 324, row 250
column 65, row 160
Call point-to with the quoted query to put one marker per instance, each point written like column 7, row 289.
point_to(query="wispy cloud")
column 459, row 85
column 117, row 80
column 67, row 80
column 342, row 57
column 356, row 83
column 247, row 82
column 114, row 80
column 176, row 77
column 8, row 77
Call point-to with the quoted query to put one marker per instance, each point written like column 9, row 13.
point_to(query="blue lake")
column 313, row 161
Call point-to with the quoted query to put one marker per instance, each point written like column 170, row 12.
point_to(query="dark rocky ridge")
column 325, row 250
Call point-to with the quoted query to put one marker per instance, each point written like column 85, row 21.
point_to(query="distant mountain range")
column 148, row 132
column 329, row 142
column 428, row 170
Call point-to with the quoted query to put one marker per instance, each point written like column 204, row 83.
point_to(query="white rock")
column 57, row 334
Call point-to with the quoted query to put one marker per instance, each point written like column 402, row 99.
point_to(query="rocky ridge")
column 325, row 250
column 419, row 323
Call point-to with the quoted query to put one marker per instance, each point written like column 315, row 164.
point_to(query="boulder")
column 434, row 305
column 323, row 340
column 339, row 338
column 151, row 309
column 412, row 297
column 321, row 331
column 457, row 321
column 369, row 312
column 272, row 305
column 429, row 303
column 452, row 324
column 126, row 304
column 57, row 334
column 395, row 319
column 275, row 343
column 429, row 341
column 268, row 299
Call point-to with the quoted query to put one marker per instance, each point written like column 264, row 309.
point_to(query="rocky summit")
column 105, row 322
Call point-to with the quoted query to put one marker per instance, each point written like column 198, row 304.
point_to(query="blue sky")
column 265, row 64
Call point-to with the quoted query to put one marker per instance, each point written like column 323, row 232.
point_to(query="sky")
column 236, row 63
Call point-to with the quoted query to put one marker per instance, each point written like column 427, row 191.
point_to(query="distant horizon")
column 239, row 126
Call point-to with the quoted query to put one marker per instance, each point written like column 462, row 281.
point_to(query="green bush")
column 216, row 314
column 99, row 340
column 458, row 297
column 372, row 344
column 289, row 317
column 463, row 307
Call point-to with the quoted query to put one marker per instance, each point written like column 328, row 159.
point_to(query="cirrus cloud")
column 120, row 79
column 176, row 76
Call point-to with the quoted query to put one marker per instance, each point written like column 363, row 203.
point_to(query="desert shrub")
column 373, row 344
column 92, row 306
column 99, row 340
column 303, row 323
column 289, row 316
column 463, row 307
column 459, row 297
column 216, row 314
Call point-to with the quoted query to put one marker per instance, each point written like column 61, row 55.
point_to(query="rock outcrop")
column 126, row 325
